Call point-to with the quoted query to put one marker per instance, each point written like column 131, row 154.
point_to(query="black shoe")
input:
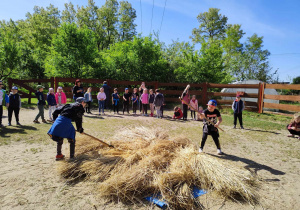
column 9, row 124
column 234, row 127
column 242, row 127
column 18, row 123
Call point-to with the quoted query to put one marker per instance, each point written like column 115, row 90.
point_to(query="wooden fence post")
column 155, row 85
column 52, row 83
column 204, row 94
column 261, row 92
column 10, row 83
column 55, row 83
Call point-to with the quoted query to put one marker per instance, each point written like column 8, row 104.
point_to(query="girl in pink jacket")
column 145, row 101
column 60, row 97
column 194, row 105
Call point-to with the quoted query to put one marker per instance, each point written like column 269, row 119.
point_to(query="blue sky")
column 277, row 21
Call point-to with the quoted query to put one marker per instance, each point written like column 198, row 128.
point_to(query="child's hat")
column 14, row 88
column 60, row 88
column 126, row 88
column 212, row 103
column 80, row 99
column 40, row 86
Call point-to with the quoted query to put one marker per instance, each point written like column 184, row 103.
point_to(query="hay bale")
column 146, row 162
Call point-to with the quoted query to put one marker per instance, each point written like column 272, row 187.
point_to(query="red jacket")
column 178, row 115
column 63, row 98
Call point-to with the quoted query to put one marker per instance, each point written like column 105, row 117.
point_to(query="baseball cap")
column 212, row 103
column 40, row 86
column 14, row 88
column 126, row 88
column 80, row 99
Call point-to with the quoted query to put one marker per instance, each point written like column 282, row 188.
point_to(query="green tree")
column 69, row 13
column 127, row 16
column 73, row 52
column 9, row 50
column 212, row 26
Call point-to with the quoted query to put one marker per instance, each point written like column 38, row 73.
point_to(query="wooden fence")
column 171, row 91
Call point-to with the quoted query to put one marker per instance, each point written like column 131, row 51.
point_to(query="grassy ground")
column 261, row 147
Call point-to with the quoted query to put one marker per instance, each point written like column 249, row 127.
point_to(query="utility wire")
column 162, row 16
column 141, row 16
column 152, row 16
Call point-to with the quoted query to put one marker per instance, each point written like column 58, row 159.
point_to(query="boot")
column 151, row 114
column 72, row 150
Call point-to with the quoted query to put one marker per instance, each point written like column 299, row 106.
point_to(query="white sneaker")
column 219, row 152
column 200, row 150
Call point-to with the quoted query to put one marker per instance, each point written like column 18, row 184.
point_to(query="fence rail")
column 171, row 91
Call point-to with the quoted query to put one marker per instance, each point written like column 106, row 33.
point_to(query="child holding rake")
column 212, row 119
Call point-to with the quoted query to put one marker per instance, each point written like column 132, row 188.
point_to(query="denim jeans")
column 101, row 106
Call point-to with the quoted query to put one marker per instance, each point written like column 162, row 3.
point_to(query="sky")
column 276, row 20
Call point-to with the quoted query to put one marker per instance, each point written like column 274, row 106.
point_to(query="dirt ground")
column 28, row 177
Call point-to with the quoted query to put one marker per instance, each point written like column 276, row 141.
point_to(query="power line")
column 152, row 16
column 162, row 16
column 141, row 16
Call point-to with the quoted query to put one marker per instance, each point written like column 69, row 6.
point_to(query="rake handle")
column 98, row 140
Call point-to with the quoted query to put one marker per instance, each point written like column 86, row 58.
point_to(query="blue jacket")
column 87, row 97
column 51, row 99
column 40, row 97
column 5, row 98
column 238, row 106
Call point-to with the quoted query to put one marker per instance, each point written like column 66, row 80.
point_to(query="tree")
column 69, row 13
column 127, row 17
column 212, row 26
column 108, row 18
column 9, row 50
column 73, row 52
column 254, row 61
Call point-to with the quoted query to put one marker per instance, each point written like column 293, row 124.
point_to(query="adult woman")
column 78, row 90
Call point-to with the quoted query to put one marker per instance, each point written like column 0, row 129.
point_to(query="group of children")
column 63, row 128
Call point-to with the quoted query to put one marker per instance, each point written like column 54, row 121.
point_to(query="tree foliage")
column 100, row 41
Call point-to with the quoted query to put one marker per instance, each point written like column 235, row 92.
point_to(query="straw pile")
column 146, row 162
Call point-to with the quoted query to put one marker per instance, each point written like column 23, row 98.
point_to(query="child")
column 294, row 126
column 177, row 113
column 141, row 90
column 101, row 100
column 135, row 100
column 194, row 105
column 158, row 102
column 126, row 100
column 213, row 115
column 88, row 100
column 14, row 105
column 151, row 100
column 145, row 101
column 238, row 107
column 4, row 100
column 60, row 97
column 185, row 98
column 200, row 111
column 41, row 103
column 51, row 103
column 115, row 100
column 63, row 128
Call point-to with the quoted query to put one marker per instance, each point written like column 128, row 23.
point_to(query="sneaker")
column 9, row 124
column 60, row 157
column 200, row 150
column 18, row 123
column 36, row 121
column 242, row 127
column 219, row 152
column 44, row 121
column 234, row 127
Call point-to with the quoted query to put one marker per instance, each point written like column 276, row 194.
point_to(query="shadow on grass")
column 7, row 131
column 250, row 164
column 264, row 131
column 93, row 116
